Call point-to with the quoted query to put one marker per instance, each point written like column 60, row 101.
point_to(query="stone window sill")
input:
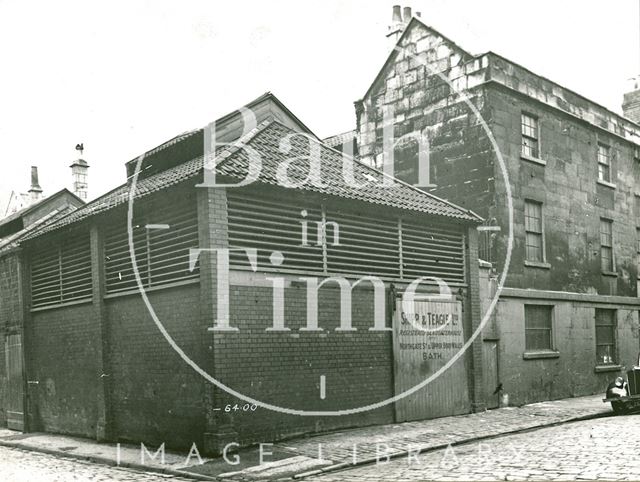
column 537, row 264
column 613, row 274
column 534, row 355
column 607, row 368
column 606, row 183
column 535, row 160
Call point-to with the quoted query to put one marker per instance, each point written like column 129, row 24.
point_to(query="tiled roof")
column 32, row 207
column 266, row 139
column 13, row 241
column 339, row 139
column 120, row 195
column 399, row 194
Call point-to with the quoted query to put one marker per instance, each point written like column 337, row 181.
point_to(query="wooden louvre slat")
column 162, row 255
column 61, row 272
column 366, row 246
column 270, row 226
column 432, row 251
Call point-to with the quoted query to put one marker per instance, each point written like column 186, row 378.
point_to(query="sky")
column 125, row 76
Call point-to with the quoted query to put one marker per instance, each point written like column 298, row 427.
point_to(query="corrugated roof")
column 232, row 161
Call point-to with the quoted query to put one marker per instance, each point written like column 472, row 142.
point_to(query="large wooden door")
column 15, row 384
column 425, row 337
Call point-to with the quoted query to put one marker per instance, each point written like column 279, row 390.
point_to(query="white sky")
column 123, row 77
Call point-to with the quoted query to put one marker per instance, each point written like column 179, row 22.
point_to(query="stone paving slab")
column 318, row 454
column 337, row 448
column 122, row 455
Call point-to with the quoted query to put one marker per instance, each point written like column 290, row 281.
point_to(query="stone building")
column 99, row 325
column 567, row 320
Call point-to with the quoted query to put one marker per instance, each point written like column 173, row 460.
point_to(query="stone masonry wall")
column 565, row 181
column 418, row 91
column 572, row 372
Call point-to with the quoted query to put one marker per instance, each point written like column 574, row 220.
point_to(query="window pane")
column 533, row 228
column 606, row 259
column 538, row 340
column 638, row 251
column 605, row 317
column 537, row 327
column 529, row 147
column 605, row 354
column 529, row 129
column 604, row 173
column 605, row 321
column 534, row 247
column 604, row 163
column 606, row 243
column 604, row 335
column 529, row 126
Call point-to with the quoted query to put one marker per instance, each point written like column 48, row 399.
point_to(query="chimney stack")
column 631, row 103
column 80, row 173
column 406, row 16
column 396, row 17
column 35, row 191
column 398, row 23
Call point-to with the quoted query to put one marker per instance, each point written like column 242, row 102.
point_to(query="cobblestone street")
column 602, row 449
column 23, row 466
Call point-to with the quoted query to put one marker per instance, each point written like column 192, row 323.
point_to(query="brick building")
column 567, row 319
column 12, row 229
column 98, row 364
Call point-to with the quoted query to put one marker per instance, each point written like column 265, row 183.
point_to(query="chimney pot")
column 407, row 14
column 396, row 17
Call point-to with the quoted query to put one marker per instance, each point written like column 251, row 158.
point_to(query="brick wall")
column 284, row 368
column 156, row 397
column 62, row 348
column 10, row 308
column 10, row 317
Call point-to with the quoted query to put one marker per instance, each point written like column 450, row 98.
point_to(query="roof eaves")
column 31, row 207
column 586, row 99
column 13, row 241
column 336, row 139
column 424, row 193
column 473, row 215
column 257, row 100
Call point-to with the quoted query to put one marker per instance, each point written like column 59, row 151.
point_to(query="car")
column 624, row 395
